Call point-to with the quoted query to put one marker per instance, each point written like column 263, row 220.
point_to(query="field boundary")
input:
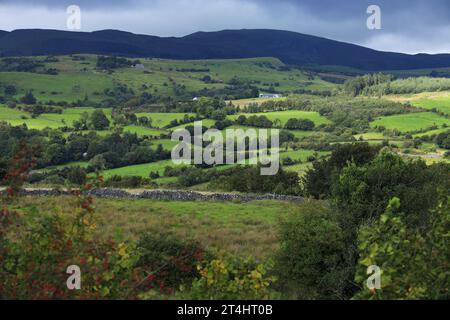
column 171, row 195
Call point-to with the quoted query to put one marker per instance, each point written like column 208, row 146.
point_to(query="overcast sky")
column 410, row 26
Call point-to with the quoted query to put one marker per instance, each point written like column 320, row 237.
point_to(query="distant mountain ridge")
column 289, row 47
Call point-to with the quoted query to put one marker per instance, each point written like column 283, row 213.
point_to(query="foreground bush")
column 414, row 262
column 38, row 247
column 311, row 263
column 174, row 261
column 230, row 279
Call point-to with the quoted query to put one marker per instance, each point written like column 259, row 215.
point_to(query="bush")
column 76, row 175
column 413, row 262
column 125, row 182
column 28, row 98
column 362, row 193
column 36, row 249
column 175, row 260
column 311, row 263
column 231, row 279
column 318, row 180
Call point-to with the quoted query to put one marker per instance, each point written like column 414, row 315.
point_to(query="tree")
column 28, row 98
column 10, row 90
column 443, row 140
column 362, row 193
column 55, row 154
column 98, row 163
column 76, row 175
column 99, row 121
column 317, row 180
column 299, row 124
column 413, row 262
column 145, row 121
column 311, row 262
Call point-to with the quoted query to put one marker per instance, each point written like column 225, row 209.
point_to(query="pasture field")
column 426, row 100
column 70, row 86
column 297, row 133
column 78, row 77
column 82, row 164
column 240, row 228
column 245, row 102
column 167, row 144
column 370, row 136
column 142, row 170
column 431, row 132
column 205, row 123
column 17, row 117
column 284, row 116
column 441, row 104
column 143, row 131
column 161, row 120
column 302, row 155
column 411, row 122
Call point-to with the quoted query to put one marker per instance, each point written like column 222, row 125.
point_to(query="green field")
column 284, row 116
column 142, row 131
column 142, row 170
column 431, row 132
column 301, row 155
column 411, row 122
column 240, row 228
column 161, row 120
column 245, row 102
column 82, row 164
column 78, row 79
column 205, row 123
column 441, row 104
column 370, row 136
column 166, row 143
column 47, row 120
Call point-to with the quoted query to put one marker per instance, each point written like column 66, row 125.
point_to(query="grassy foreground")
column 239, row 228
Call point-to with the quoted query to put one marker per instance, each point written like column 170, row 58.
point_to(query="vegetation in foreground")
column 320, row 249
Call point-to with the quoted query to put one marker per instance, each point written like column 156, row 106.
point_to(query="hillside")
column 78, row 77
column 289, row 47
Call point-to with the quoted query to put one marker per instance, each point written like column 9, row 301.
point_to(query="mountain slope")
column 290, row 47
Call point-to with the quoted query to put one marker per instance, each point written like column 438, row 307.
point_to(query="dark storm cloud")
column 407, row 26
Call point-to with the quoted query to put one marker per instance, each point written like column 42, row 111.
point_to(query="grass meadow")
column 238, row 228
column 411, row 122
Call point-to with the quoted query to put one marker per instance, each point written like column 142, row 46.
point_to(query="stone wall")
column 173, row 195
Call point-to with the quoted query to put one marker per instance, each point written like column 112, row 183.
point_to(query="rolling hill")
column 289, row 47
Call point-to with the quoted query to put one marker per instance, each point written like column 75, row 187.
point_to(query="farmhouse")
column 269, row 95
column 139, row 66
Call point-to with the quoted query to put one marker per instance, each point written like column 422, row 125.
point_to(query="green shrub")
column 173, row 260
column 231, row 279
column 413, row 262
column 311, row 263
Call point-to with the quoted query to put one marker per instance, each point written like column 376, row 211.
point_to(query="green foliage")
column 231, row 279
column 249, row 179
column 175, row 260
column 358, row 85
column 443, row 140
column 318, row 180
column 98, row 120
column 104, row 62
column 410, row 85
column 413, row 261
column 28, row 98
column 362, row 193
column 311, row 263
column 299, row 124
